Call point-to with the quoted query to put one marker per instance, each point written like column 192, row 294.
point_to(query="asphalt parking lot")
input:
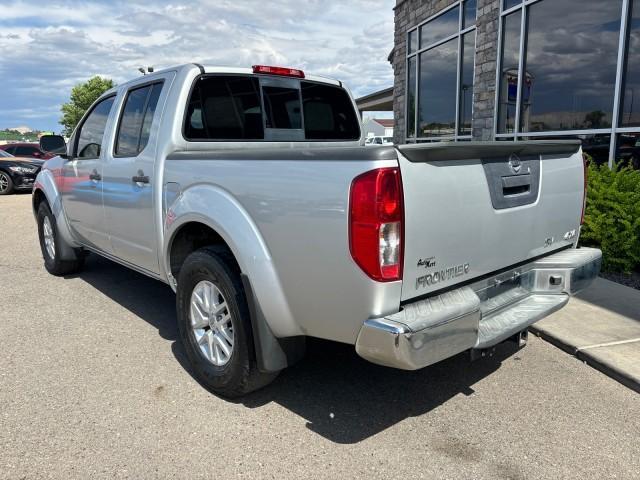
column 93, row 384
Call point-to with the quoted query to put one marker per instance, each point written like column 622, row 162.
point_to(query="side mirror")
column 53, row 144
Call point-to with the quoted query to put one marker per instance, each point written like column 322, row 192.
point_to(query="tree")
column 82, row 96
column 595, row 119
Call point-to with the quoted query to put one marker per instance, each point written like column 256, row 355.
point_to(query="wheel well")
column 38, row 198
column 190, row 238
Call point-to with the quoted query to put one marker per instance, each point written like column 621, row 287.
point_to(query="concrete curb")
column 605, row 367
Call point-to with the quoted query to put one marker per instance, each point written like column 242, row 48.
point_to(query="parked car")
column 31, row 150
column 373, row 141
column 250, row 192
column 17, row 173
column 627, row 151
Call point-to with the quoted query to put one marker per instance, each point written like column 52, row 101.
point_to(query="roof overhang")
column 380, row 101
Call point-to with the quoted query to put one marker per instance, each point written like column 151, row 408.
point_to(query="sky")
column 47, row 47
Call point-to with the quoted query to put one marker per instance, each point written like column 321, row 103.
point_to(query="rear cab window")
column 226, row 107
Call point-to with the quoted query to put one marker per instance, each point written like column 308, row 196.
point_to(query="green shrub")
column 612, row 217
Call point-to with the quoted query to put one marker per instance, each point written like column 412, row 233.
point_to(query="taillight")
column 284, row 71
column 584, row 191
column 376, row 223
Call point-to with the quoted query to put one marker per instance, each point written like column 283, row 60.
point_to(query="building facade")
column 519, row 70
column 378, row 127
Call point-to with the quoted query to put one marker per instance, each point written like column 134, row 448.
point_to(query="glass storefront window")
column 437, row 87
column 630, row 109
column 628, row 150
column 511, row 3
column 440, row 75
column 570, row 65
column 509, row 77
column 469, row 13
column 440, row 27
column 412, row 41
column 466, row 82
column 411, row 97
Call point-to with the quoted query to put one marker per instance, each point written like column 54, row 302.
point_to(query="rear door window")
column 135, row 124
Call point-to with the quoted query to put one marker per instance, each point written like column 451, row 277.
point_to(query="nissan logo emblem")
column 514, row 163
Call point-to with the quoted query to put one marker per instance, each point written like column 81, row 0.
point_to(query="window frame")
column 461, row 32
column 121, row 115
column 517, row 134
column 80, row 126
column 265, row 140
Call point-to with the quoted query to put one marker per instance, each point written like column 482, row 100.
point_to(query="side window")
column 224, row 107
column 10, row 150
column 89, row 143
column 25, row 151
column 135, row 123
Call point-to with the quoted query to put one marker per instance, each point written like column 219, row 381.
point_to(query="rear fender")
column 220, row 211
column 46, row 183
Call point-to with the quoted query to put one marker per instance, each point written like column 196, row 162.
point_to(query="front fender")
column 47, row 182
column 220, row 211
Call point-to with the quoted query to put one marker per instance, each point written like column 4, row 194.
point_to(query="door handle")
column 95, row 176
column 140, row 178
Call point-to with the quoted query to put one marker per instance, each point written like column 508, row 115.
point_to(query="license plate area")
column 503, row 290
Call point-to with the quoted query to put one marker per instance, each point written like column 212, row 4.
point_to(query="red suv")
column 26, row 150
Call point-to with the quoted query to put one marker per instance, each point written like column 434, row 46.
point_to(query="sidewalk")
column 600, row 326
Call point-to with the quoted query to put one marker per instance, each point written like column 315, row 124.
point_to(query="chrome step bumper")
column 477, row 316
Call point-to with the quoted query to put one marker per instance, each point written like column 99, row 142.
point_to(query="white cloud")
column 45, row 51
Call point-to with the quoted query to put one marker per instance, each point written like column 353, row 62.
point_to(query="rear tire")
column 6, row 184
column 216, row 333
column 51, row 244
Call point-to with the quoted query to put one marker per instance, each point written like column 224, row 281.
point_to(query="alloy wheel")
column 211, row 323
column 49, row 240
column 4, row 182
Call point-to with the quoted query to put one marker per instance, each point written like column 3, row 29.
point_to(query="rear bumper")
column 477, row 316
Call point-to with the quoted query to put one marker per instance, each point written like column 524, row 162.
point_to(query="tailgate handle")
column 516, row 185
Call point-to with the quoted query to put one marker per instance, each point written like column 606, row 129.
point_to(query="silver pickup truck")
column 251, row 194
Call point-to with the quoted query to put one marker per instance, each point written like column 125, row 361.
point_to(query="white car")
column 373, row 141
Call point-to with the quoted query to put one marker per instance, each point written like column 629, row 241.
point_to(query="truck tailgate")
column 472, row 209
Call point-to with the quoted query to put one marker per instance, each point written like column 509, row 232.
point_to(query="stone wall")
column 409, row 13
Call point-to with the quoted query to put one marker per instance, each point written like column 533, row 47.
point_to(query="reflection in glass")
column 131, row 122
column 437, row 102
column 628, row 150
column 511, row 3
column 469, row 18
column 412, row 42
column 466, row 82
column 630, row 114
column 509, row 77
column 152, row 103
column 92, row 131
column 440, row 27
column 570, row 64
column 411, row 98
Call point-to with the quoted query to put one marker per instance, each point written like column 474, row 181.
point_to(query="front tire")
column 214, row 324
column 51, row 243
column 6, row 184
